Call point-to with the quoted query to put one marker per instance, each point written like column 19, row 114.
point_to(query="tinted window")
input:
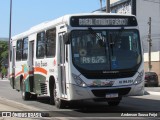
column 19, row 50
column 106, row 49
column 50, row 42
column 46, row 43
column 40, row 45
column 22, row 49
column 25, row 49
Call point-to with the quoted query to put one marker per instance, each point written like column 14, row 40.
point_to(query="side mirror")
column 66, row 37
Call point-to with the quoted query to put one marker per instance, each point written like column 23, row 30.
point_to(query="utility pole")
column 10, row 21
column 149, row 45
column 10, row 30
column 101, row 4
column 108, row 6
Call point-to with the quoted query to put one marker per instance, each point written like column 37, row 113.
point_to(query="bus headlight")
column 139, row 79
column 79, row 81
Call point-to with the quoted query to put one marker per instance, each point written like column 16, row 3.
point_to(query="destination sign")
column 103, row 21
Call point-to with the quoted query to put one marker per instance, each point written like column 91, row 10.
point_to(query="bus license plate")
column 112, row 95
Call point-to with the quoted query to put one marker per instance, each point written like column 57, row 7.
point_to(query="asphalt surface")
column 10, row 100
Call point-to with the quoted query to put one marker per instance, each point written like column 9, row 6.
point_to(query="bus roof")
column 62, row 20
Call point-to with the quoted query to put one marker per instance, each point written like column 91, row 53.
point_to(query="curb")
column 153, row 93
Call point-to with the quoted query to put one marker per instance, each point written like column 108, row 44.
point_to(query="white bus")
column 94, row 56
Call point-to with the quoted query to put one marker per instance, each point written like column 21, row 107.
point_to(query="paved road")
column 146, row 103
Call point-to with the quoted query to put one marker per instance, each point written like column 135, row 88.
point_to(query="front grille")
column 100, row 75
column 43, row 88
column 103, row 92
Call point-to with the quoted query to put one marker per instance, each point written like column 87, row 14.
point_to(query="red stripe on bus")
column 19, row 73
column 36, row 69
column 42, row 70
column 31, row 72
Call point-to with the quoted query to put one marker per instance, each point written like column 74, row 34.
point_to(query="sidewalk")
column 15, row 106
column 152, row 90
column 9, row 107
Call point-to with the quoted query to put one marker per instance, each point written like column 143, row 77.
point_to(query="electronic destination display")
column 103, row 21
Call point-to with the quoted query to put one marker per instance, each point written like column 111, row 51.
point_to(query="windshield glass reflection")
column 106, row 49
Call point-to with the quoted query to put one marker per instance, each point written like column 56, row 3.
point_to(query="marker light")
column 79, row 81
column 139, row 79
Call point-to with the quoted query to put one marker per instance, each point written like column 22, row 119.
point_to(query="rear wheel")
column 33, row 96
column 25, row 95
column 13, row 82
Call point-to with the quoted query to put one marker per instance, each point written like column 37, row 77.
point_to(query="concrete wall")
column 146, row 9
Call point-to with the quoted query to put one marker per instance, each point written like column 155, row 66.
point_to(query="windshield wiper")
column 111, row 43
column 94, row 33
column 100, row 41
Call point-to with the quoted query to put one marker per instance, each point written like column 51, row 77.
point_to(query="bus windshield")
column 106, row 49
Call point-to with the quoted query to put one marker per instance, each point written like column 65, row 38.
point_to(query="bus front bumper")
column 81, row 93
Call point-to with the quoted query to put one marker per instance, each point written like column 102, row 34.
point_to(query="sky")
column 28, row 13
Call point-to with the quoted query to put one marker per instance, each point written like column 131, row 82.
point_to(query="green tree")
column 3, row 57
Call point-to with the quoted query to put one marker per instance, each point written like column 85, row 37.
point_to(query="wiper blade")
column 94, row 33
column 111, row 43
column 100, row 41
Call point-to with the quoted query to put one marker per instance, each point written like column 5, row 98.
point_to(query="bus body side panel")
column 40, row 86
column 21, row 73
column 40, row 72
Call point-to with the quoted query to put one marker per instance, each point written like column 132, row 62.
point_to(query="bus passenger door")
column 31, row 65
column 62, row 67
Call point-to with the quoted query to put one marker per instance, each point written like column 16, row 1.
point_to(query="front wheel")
column 25, row 95
column 58, row 102
column 113, row 103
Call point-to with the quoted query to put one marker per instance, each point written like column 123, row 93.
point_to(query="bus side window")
column 51, row 42
column 19, row 50
column 25, row 49
column 40, row 45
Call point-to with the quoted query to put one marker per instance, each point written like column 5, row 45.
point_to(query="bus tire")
column 25, row 95
column 113, row 103
column 33, row 96
column 12, row 82
column 52, row 102
column 58, row 102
